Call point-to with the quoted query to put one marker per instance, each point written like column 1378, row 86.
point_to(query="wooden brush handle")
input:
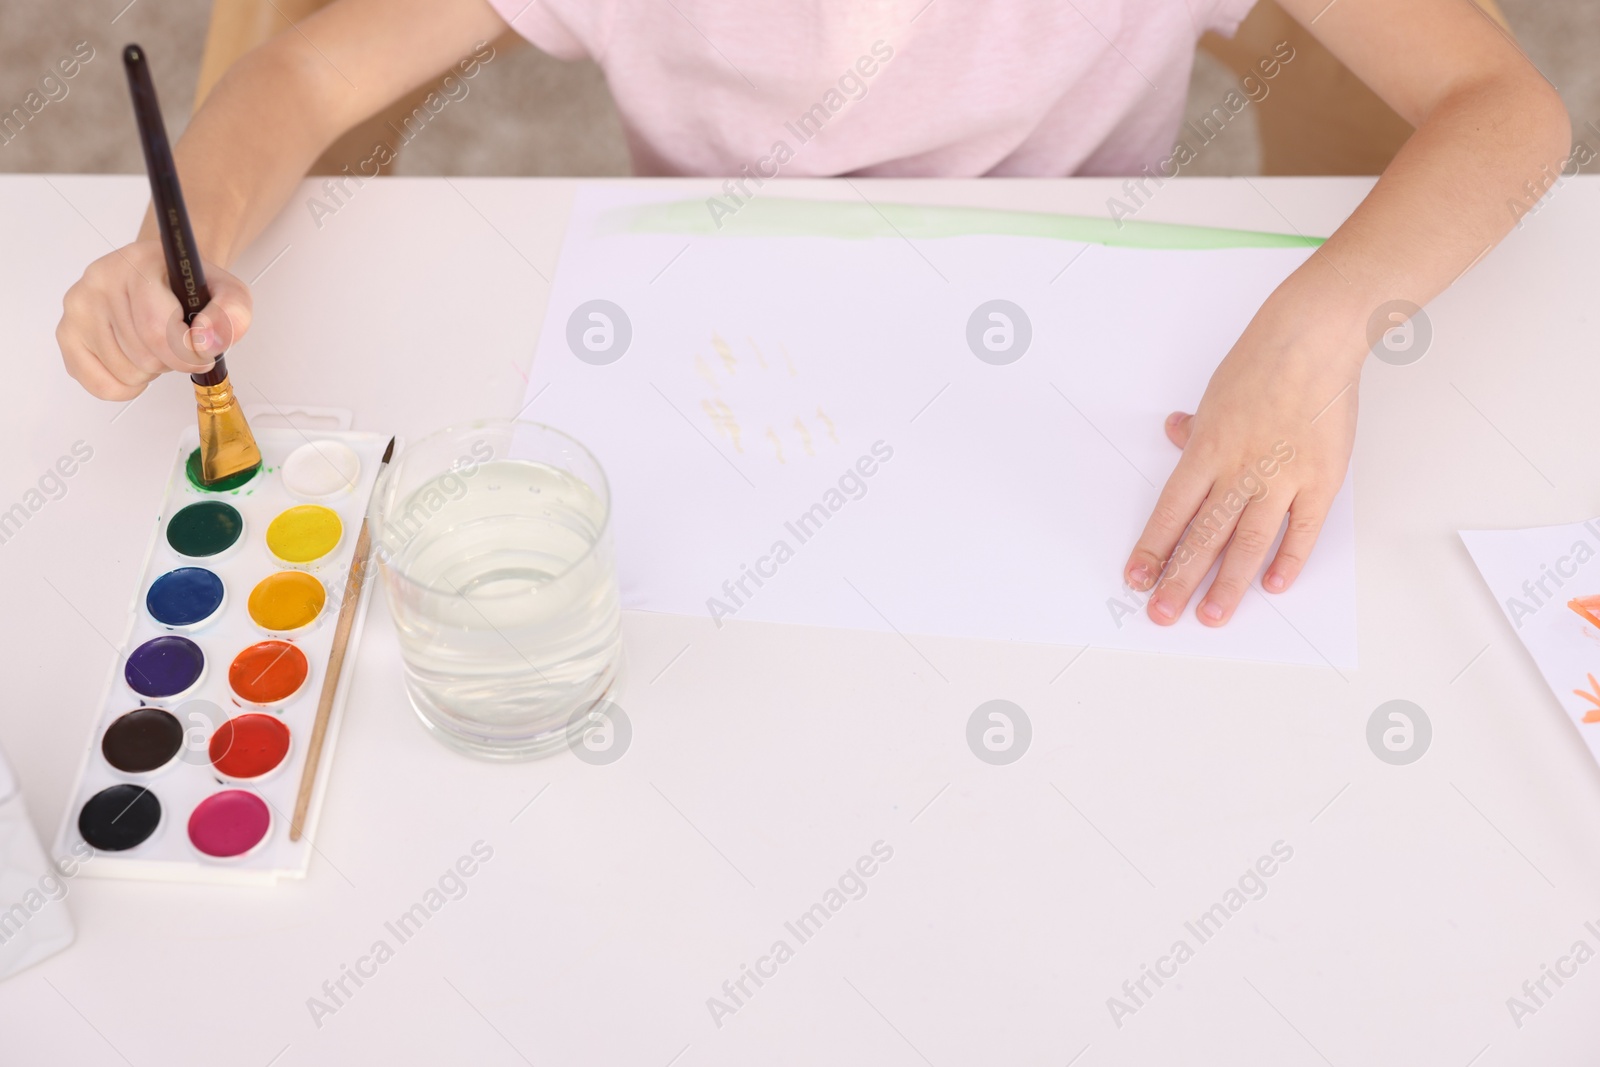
column 330, row 683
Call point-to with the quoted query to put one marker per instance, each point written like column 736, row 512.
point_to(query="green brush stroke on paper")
column 777, row 217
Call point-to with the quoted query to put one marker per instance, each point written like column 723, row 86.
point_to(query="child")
column 947, row 88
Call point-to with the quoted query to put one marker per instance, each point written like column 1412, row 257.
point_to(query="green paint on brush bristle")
column 232, row 481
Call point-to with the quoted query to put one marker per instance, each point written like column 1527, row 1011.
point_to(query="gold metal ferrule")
column 227, row 446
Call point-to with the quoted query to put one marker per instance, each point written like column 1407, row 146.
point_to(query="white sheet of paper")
column 1535, row 574
column 765, row 374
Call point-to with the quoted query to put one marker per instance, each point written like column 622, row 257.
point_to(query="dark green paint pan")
column 205, row 529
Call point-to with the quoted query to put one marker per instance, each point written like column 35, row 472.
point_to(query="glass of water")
column 494, row 538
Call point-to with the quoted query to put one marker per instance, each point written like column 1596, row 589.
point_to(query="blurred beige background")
column 527, row 114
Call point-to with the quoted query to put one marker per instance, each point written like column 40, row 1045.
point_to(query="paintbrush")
column 227, row 446
column 330, row 683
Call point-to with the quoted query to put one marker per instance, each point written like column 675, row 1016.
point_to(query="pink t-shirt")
column 954, row 88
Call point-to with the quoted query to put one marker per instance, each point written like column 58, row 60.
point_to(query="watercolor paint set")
column 202, row 735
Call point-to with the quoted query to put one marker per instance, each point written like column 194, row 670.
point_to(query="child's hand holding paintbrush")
column 148, row 330
column 124, row 325
column 123, row 328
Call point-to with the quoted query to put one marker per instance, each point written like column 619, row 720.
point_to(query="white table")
column 766, row 760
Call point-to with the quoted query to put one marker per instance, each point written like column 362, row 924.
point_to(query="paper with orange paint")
column 1547, row 582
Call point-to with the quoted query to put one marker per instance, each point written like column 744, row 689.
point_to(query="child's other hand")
column 1272, row 437
column 121, row 327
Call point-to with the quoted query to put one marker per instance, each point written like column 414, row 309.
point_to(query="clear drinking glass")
column 494, row 538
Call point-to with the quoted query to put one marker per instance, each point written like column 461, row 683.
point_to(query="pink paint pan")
column 230, row 824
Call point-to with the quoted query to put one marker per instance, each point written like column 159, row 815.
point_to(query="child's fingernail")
column 1140, row 577
column 1162, row 608
column 1211, row 611
column 1275, row 582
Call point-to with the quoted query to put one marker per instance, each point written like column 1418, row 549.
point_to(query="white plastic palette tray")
column 190, row 778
